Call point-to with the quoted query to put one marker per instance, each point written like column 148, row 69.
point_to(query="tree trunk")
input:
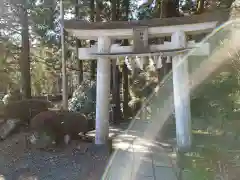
column 125, row 70
column 115, row 77
column 118, row 9
column 168, row 8
column 200, row 6
column 92, row 19
column 114, row 10
column 79, row 63
column 78, row 45
column 98, row 11
column 125, row 88
column 25, row 51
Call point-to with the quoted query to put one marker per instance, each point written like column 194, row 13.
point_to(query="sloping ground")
column 213, row 156
column 70, row 163
column 77, row 161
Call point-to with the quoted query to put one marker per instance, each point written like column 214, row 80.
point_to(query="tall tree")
column 118, row 9
column 92, row 19
column 78, row 45
column 114, row 9
column 168, row 8
column 25, row 50
column 115, row 76
column 200, row 6
column 126, row 5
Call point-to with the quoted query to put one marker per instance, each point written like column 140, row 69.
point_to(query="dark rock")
column 25, row 110
column 1, row 110
column 58, row 124
column 8, row 127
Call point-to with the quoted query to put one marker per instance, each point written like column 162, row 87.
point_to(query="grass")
column 213, row 154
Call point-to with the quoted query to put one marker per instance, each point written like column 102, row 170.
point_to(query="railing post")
column 181, row 95
column 103, row 92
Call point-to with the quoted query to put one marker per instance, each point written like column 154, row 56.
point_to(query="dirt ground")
column 77, row 161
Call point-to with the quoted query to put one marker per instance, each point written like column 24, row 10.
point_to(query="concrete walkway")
column 139, row 158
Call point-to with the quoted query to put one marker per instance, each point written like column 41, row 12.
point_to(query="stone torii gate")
column 140, row 32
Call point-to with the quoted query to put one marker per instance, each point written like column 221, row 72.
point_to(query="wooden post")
column 181, row 95
column 103, row 92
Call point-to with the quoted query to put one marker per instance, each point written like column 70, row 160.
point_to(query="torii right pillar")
column 181, row 95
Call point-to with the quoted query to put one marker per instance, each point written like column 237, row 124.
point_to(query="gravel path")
column 71, row 163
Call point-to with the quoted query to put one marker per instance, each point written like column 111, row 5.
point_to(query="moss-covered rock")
column 52, row 126
column 25, row 110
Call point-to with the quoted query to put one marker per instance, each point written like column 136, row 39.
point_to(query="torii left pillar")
column 103, row 92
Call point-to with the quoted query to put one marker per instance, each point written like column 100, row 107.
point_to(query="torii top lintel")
column 195, row 24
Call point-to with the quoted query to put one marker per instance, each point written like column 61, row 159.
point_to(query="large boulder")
column 1, row 111
column 24, row 110
column 54, row 126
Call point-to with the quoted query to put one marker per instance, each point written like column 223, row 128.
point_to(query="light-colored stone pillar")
column 181, row 95
column 103, row 92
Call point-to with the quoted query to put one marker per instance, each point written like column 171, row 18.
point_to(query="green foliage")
column 198, row 174
column 145, row 12
column 44, row 19
column 142, row 83
column 84, row 98
column 218, row 99
column 8, row 63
